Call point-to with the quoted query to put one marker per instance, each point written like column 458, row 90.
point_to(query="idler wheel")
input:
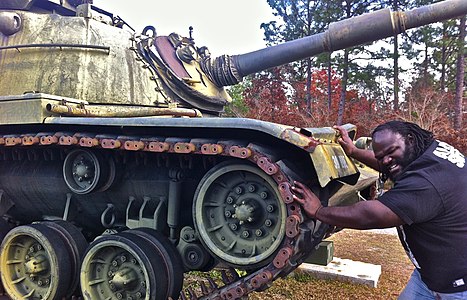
column 123, row 266
column 239, row 215
column 35, row 263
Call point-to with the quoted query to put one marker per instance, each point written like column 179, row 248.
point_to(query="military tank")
column 118, row 173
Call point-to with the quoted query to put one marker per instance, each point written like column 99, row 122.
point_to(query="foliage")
column 430, row 109
column 267, row 99
column 237, row 108
column 433, row 50
column 426, row 107
column 271, row 98
column 297, row 18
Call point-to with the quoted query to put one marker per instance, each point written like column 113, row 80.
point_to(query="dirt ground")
column 382, row 248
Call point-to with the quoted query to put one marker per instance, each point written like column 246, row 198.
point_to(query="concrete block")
column 323, row 255
column 345, row 270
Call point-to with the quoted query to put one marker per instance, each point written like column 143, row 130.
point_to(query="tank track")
column 302, row 233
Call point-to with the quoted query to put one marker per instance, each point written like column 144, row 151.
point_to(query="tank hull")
column 201, row 182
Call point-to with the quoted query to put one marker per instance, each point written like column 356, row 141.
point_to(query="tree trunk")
column 443, row 59
column 329, row 82
column 345, row 76
column 308, row 85
column 425, row 67
column 308, row 64
column 345, row 72
column 396, row 64
column 460, row 77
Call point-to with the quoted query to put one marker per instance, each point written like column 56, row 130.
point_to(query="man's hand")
column 345, row 141
column 308, row 200
column 365, row 156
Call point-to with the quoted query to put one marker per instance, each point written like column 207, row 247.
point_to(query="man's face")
column 393, row 152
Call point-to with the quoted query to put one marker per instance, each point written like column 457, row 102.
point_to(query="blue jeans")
column 416, row 289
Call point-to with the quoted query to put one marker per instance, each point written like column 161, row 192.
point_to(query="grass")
column 369, row 247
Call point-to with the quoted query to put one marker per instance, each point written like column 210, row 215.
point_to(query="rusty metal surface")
column 74, row 71
column 114, row 111
column 297, row 229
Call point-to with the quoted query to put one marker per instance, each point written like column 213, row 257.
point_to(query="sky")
column 224, row 26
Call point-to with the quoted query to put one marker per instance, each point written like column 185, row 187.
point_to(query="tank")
column 119, row 175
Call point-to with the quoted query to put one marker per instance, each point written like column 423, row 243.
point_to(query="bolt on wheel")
column 239, row 215
column 34, row 263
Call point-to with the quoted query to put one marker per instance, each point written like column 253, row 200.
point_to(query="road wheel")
column 35, row 263
column 76, row 246
column 170, row 255
column 239, row 215
column 121, row 267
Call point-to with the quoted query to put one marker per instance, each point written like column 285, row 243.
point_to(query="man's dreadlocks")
column 422, row 138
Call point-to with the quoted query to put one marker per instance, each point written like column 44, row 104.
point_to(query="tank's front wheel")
column 123, row 266
column 239, row 214
column 34, row 263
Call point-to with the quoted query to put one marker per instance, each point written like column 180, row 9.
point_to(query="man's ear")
column 410, row 139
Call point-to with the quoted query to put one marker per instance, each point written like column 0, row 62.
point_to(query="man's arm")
column 365, row 156
column 369, row 214
column 361, row 215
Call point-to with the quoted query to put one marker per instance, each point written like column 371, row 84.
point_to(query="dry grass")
column 375, row 248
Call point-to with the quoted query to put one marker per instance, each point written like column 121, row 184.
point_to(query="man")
column 428, row 204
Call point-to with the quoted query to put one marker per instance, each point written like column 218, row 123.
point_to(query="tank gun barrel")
column 355, row 31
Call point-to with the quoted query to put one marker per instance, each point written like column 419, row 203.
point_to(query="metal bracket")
column 67, row 206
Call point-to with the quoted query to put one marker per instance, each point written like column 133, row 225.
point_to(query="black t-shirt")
column 431, row 198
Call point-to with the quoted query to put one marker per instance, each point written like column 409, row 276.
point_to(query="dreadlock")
column 422, row 138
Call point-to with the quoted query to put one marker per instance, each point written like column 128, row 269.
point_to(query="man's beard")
column 409, row 157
